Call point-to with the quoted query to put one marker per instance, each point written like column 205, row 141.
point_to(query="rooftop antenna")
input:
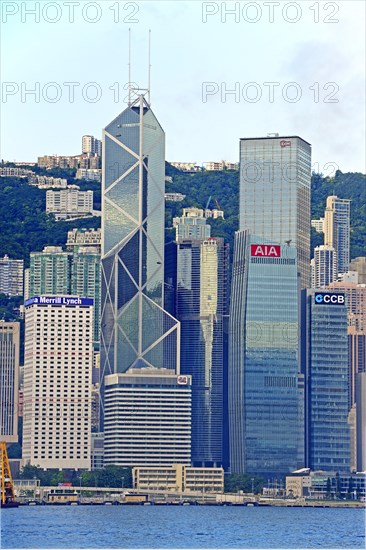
column 129, row 67
column 149, row 72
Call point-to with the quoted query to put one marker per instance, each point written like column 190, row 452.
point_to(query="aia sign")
column 265, row 250
column 285, row 143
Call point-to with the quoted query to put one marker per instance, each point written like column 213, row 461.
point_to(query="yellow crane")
column 7, row 487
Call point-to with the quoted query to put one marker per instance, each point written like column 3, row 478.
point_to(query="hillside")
column 224, row 186
column 25, row 227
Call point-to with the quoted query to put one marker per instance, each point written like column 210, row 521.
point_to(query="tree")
column 350, row 488
column 338, row 486
column 243, row 482
column 328, row 493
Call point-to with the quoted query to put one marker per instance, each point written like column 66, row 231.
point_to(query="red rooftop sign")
column 265, row 250
column 285, row 143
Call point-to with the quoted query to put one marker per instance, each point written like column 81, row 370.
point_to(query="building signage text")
column 265, row 250
column 326, row 298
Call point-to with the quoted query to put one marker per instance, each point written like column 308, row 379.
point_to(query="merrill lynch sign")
column 60, row 301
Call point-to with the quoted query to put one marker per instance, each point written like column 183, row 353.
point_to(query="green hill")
column 25, row 227
column 224, row 187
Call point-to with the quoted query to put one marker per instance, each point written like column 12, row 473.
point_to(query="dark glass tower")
column 327, row 381
column 196, row 279
column 136, row 331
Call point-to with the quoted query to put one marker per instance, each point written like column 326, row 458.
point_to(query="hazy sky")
column 292, row 68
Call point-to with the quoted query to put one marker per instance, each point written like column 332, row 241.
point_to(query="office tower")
column 337, row 229
column 9, row 381
column 359, row 265
column 197, row 275
column 57, row 381
column 11, row 276
column 191, row 225
column 49, row 271
column 357, row 359
column 325, row 266
column 324, row 339
column 92, row 145
column 77, row 238
column 264, row 386
column 361, row 422
column 275, row 178
column 147, row 418
column 136, row 331
column 85, row 280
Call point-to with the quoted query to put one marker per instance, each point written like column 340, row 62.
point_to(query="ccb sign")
column 326, row 298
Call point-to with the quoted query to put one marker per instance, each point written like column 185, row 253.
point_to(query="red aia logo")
column 265, row 250
column 182, row 380
column 285, row 143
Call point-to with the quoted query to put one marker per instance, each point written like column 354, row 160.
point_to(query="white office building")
column 58, row 361
column 147, row 418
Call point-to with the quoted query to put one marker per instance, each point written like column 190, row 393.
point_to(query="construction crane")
column 208, row 202
column 217, row 203
column 7, row 487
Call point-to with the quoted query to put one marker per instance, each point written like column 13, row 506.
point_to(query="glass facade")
column 200, row 305
column 135, row 329
column 264, row 395
column 275, row 178
column 327, row 378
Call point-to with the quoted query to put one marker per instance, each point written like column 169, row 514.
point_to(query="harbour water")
column 181, row 527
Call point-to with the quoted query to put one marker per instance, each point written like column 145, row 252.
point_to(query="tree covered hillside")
column 24, row 225
column 224, row 187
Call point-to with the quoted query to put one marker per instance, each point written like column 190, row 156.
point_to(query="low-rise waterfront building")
column 178, row 478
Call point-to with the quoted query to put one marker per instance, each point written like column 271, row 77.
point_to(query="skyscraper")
column 264, row 405
column 324, row 336
column 136, row 331
column 275, row 177
column 337, row 229
column 271, row 262
column 324, row 267
column 49, row 271
column 9, row 380
column 57, row 381
column 11, row 276
column 54, row 271
column 197, row 269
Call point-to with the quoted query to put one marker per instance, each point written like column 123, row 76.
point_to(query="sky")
column 220, row 71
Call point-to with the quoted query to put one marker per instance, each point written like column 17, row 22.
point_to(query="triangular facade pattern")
column 136, row 331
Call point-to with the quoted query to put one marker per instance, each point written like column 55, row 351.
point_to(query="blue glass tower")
column 327, row 381
column 264, row 405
